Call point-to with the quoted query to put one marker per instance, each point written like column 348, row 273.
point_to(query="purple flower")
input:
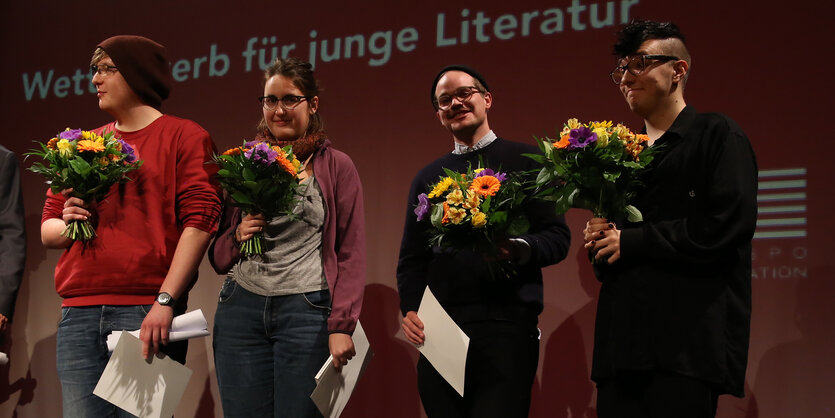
column 262, row 153
column 127, row 150
column 580, row 137
column 70, row 134
column 489, row 172
column 423, row 206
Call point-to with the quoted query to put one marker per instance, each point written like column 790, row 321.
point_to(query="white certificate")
column 445, row 345
column 145, row 388
column 334, row 388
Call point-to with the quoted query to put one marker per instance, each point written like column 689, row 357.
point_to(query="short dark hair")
column 636, row 32
column 478, row 80
column 300, row 73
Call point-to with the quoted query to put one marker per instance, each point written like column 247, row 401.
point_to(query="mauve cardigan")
column 343, row 237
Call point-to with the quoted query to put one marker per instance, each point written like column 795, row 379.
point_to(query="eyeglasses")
column 288, row 102
column 463, row 94
column 636, row 64
column 103, row 70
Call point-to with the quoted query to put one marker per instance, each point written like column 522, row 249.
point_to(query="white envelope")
column 445, row 345
column 188, row 325
column 333, row 388
column 143, row 388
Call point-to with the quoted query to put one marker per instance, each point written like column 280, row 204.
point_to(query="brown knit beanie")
column 143, row 64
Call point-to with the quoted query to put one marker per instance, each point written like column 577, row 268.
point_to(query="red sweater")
column 139, row 223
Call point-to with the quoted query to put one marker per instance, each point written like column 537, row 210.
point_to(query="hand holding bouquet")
column 87, row 164
column 594, row 166
column 259, row 178
column 474, row 210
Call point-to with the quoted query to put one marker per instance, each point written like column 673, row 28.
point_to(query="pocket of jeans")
column 227, row 290
column 145, row 308
column 65, row 313
column 319, row 299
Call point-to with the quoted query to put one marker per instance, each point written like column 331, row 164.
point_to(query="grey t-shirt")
column 292, row 259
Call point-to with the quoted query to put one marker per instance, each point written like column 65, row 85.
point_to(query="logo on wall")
column 779, row 241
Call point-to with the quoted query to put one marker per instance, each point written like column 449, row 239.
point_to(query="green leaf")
column 241, row 198
column 80, row 166
column 518, row 226
column 544, row 177
column 633, row 214
column 536, row 157
column 437, row 214
column 247, row 174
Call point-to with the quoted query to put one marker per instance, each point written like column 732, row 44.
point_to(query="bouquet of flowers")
column 594, row 166
column 259, row 178
column 474, row 209
column 87, row 163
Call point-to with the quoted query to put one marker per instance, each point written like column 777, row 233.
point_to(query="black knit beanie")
column 457, row 67
column 143, row 64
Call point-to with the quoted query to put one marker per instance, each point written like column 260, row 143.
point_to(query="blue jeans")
column 268, row 350
column 81, row 354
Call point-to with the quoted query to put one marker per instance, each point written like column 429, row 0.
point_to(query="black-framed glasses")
column 288, row 102
column 103, row 70
column 636, row 64
column 463, row 94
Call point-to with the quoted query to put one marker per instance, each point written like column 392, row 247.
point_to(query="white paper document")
column 445, row 345
column 143, row 388
column 334, row 388
column 188, row 325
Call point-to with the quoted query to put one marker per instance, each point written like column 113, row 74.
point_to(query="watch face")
column 164, row 298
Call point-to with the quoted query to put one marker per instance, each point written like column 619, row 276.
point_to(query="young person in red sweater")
column 152, row 231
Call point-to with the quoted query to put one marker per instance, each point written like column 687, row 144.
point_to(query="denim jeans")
column 268, row 350
column 81, row 354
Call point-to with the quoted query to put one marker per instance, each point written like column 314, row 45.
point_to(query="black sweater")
column 460, row 279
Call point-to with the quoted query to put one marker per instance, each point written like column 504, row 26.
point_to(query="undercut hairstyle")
column 300, row 73
column 635, row 33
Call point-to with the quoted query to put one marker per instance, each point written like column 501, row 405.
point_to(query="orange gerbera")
column 88, row 145
column 486, row 185
column 51, row 143
column 562, row 143
column 286, row 164
column 233, row 151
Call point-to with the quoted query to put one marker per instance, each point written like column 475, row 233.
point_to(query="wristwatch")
column 165, row 299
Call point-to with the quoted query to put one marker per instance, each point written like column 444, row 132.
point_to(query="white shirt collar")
column 483, row 142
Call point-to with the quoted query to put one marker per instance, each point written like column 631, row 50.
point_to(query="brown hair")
column 300, row 73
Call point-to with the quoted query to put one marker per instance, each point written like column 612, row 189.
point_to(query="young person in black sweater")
column 499, row 316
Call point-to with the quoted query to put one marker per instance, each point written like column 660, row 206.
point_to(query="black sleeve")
column 728, row 215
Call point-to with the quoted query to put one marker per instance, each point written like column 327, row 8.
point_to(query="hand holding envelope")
column 189, row 325
column 444, row 344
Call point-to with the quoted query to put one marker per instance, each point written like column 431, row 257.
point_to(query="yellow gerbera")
column 604, row 124
column 441, row 187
